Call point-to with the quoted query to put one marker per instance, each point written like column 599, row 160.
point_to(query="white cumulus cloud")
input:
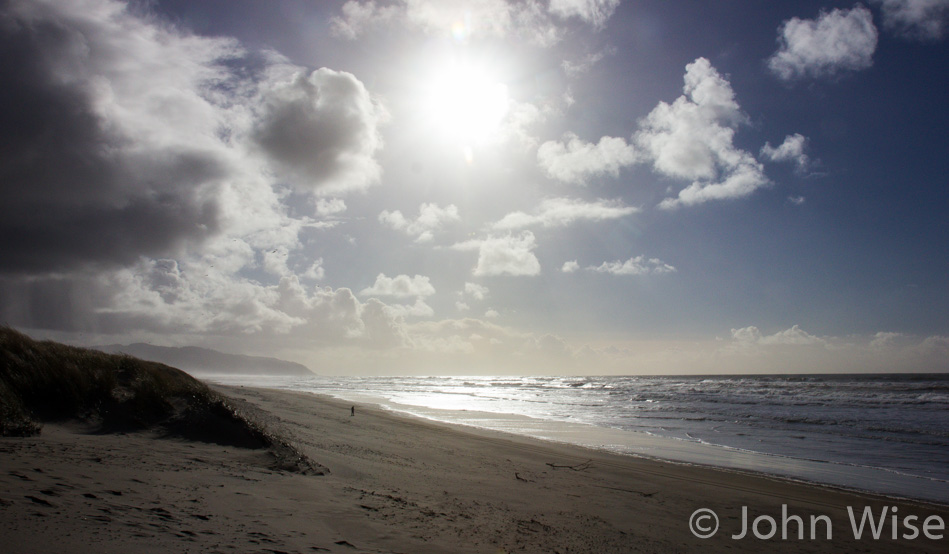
column 885, row 339
column 465, row 19
column 692, row 138
column 504, row 255
column 570, row 267
column 637, row 265
column 577, row 68
column 689, row 139
column 575, row 160
column 560, row 212
column 316, row 270
column 476, row 291
column 357, row 16
column 837, row 41
column 794, row 336
column 791, row 150
column 400, row 286
column 418, row 309
column 430, row 218
column 330, row 206
column 921, row 19
column 539, row 22
column 596, row 12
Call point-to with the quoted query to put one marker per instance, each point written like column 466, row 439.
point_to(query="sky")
column 482, row 186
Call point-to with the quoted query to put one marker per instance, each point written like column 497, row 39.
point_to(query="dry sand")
column 395, row 484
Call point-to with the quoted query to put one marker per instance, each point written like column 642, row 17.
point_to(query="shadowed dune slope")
column 44, row 381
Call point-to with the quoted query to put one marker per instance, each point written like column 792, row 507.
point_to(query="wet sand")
column 400, row 484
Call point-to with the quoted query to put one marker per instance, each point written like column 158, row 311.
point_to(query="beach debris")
column 578, row 467
column 641, row 493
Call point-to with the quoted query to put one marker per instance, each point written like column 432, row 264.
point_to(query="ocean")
column 887, row 434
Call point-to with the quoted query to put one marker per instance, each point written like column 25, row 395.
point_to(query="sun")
column 465, row 103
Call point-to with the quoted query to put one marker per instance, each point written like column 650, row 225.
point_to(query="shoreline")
column 399, row 484
column 515, row 437
column 889, row 483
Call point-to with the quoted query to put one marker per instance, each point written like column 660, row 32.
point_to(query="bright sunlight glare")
column 465, row 103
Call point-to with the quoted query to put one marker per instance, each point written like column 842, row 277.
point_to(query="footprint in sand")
column 39, row 501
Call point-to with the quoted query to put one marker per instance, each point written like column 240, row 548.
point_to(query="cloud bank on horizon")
column 606, row 206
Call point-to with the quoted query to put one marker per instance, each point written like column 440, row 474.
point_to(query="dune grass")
column 45, row 381
column 48, row 381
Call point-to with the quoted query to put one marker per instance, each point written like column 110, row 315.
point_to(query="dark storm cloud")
column 137, row 168
column 77, row 183
column 319, row 130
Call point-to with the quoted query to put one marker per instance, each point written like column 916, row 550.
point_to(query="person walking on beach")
column 352, row 411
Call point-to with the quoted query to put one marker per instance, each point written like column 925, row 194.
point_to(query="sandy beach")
column 398, row 484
